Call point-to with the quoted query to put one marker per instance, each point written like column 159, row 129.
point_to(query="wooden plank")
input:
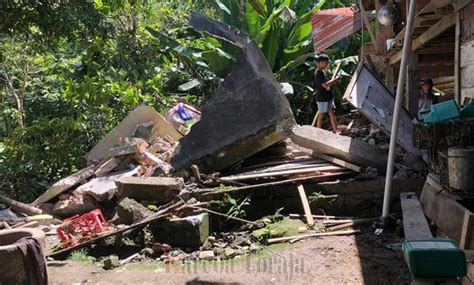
column 283, row 239
column 306, row 208
column 341, row 162
column 457, row 58
column 108, row 166
column 415, row 224
column 431, row 33
column 306, row 179
column 370, row 96
column 466, row 232
column 369, row 28
column 65, row 184
column 282, row 173
column 445, row 212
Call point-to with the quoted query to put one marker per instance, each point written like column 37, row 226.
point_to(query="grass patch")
column 81, row 255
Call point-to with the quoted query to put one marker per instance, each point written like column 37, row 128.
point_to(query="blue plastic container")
column 443, row 112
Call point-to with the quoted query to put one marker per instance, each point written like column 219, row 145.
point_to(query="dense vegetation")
column 70, row 70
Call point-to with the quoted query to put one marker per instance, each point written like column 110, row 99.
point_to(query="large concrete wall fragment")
column 247, row 112
column 342, row 147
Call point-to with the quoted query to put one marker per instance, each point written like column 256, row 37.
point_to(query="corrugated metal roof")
column 332, row 25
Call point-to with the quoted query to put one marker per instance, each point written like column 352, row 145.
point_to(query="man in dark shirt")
column 323, row 92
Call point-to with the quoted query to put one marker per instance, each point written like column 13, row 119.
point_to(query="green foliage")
column 81, row 255
column 237, row 206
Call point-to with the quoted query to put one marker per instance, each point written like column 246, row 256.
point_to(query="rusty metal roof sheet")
column 332, row 25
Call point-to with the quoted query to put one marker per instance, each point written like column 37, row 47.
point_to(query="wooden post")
column 411, row 103
column 457, row 60
column 307, row 209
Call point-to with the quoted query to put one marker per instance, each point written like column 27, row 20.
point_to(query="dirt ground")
column 360, row 259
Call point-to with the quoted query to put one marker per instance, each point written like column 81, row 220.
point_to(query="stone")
column 229, row 252
column 247, row 112
column 191, row 231
column 253, row 248
column 218, row 251
column 159, row 189
column 131, row 212
column 206, row 255
column 346, row 148
column 159, row 248
column 111, row 262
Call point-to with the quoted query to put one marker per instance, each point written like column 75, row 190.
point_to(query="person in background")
column 426, row 98
column 324, row 94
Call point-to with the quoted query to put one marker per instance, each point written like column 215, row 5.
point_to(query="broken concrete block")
column 128, row 127
column 159, row 189
column 191, row 231
column 247, row 113
column 104, row 188
column 131, row 212
column 206, row 255
column 342, row 147
column 76, row 204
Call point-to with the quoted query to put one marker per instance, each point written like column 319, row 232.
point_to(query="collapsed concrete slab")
column 247, row 113
column 355, row 151
column 158, row 189
column 191, row 231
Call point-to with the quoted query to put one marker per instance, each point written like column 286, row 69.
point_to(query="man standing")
column 426, row 98
column 324, row 95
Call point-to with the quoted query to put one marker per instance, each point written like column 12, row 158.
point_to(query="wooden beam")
column 466, row 230
column 457, row 59
column 412, row 84
column 415, row 224
column 306, row 208
column 369, row 28
column 341, row 162
column 434, row 31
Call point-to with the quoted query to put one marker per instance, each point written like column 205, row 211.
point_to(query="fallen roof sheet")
column 332, row 25
column 368, row 94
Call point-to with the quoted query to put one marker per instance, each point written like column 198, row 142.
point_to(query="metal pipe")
column 398, row 105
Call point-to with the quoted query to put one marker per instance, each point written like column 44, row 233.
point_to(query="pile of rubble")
column 154, row 176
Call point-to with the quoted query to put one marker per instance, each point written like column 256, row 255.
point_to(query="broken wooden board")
column 369, row 95
column 415, row 224
column 159, row 189
column 340, row 162
column 108, row 166
column 304, row 170
column 305, row 203
column 247, row 113
column 448, row 214
column 65, row 184
column 103, row 188
column 342, row 147
column 127, row 128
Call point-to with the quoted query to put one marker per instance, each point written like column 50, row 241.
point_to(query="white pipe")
column 398, row 105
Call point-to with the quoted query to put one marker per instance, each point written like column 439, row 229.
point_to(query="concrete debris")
column 345, row 148
column 190, row 231
column 104, row 188
column 142, row 115
column 131, row 212
column 247, row 113
column 73, row 204
column 111, row 262
column 159, row 189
